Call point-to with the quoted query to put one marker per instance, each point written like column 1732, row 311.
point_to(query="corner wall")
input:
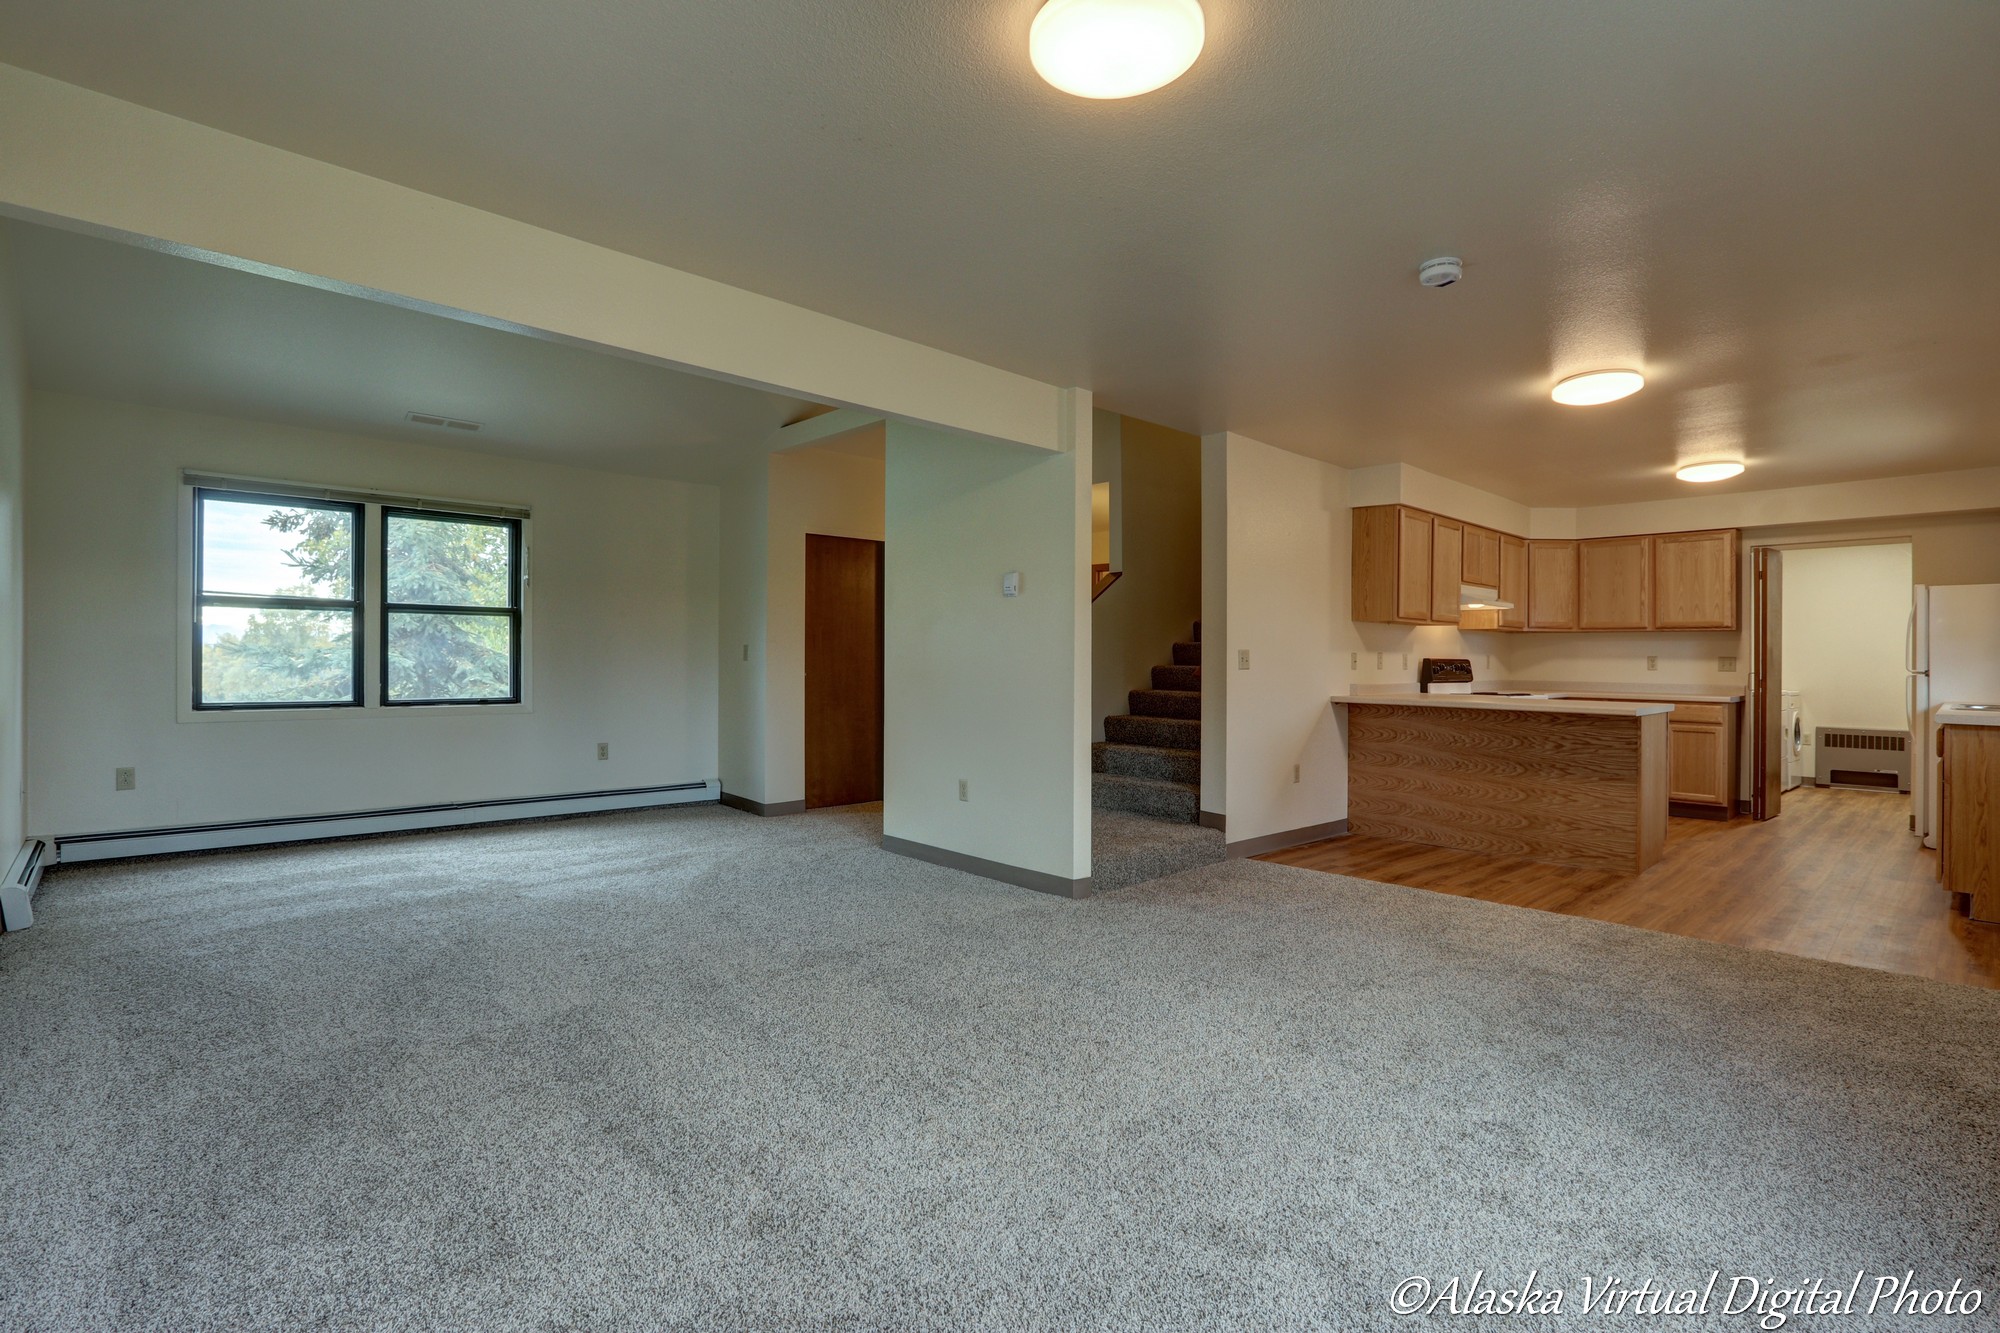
column 13, row 436
column 621, row 633
column 989, row 689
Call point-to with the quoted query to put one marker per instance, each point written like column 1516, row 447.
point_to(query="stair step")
column 1146, row 796
column 1146, row 761
column 1188, row 653
column 1177, row 678
column 1165, row 703
column 1170, row 733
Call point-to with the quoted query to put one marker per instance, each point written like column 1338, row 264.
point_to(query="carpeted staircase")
column 1149, row 761
column 1145, row 781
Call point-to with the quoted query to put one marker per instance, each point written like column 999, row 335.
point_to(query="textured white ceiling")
column 115, row 321
column 1784, row 211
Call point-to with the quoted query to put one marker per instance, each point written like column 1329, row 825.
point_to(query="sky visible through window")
column 241, row 554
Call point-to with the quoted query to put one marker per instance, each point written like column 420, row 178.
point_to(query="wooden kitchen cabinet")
column 1695, row 580
column 1969, row 817
column 1701, row 756
column 1447, row 568
column 1551, row 585
column 1614, row 581
column 1392, row 565
column 1482, row 557
column 1513, row 556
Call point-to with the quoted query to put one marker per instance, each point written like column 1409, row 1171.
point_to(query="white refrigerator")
column 1953, row 658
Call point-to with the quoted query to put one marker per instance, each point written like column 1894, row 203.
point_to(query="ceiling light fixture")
column 1598, row 386
column 1115, row 48
column 1710, row 471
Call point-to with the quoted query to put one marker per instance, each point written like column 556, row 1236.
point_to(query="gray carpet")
column 695, row 1069
column 1128, row 848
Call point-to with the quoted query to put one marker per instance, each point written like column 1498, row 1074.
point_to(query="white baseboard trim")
column 360, row 823
column 17, row 891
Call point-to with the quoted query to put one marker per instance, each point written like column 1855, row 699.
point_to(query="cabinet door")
column 1551, row 585
column 1413, row 565
column 1482, row 557
column 1514, row 581
column 1696, row 758
column 1447, row 567
column 1694, row 580
column 1614, row 579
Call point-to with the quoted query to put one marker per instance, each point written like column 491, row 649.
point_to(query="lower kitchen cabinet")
column 1701, row 755
column 1969, row 817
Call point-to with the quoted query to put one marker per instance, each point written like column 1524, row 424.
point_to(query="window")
column 277, row 602
column 451, row 608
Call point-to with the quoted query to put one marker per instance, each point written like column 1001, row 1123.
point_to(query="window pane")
column 268, row 656
column 448, row 562
column 256, row 549
column 435, row 655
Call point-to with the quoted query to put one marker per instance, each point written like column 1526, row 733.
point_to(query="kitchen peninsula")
column 1574, row 781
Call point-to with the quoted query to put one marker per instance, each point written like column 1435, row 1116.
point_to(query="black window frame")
column 357, row 582
column 512, row 610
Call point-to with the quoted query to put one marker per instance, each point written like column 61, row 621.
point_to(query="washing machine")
column 1797, row 764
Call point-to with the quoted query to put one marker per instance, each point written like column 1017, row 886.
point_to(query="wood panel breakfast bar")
column 1573, row 781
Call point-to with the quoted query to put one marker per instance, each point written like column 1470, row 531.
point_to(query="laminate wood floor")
column 1836, row 876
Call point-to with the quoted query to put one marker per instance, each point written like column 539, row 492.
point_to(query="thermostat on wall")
column 1010, row 584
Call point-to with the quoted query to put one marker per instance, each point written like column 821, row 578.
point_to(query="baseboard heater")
column 359, row 823
column 1861, row 757
column 17, row 891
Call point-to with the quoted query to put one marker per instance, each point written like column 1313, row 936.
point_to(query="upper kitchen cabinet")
column 1552, row 585
column 1513, row 562
column 1695, row 580
column 1392, row 565
column 1614, row 583
column 1482, row 557
column 1447, row 568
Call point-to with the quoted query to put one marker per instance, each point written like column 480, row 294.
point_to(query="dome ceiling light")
column 1115, row 48
column 1710, row 471
column 1598, row 386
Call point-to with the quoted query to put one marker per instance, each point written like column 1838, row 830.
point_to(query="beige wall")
column 621, row 640
column 990, row 689
column 1135, row 624
column 1846, row 611
column 13, row 411
column 812, row 491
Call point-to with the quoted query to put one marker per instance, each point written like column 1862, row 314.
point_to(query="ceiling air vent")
column 442, row 423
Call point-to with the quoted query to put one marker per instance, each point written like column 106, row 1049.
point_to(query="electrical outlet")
column 1489, row 663
column 1406, row 661
column 964, row 790
column 1354, row 661
column 1725, row 664
column 1242, row 659
column 124, row 779
column 1652, row 664
column 1295, row 772
column 604, row 749
column 1378, row 661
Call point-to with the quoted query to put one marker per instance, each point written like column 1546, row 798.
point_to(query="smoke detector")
column 1440, row 272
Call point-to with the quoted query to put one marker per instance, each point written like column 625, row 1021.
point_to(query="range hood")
column 1474, row 598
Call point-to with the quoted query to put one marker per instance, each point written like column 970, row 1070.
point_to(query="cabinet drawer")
column 1705, row 714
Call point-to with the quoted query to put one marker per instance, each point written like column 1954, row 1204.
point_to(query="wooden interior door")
column 1767, row 713
column 843, row 671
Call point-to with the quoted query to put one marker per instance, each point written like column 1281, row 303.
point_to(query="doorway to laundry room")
column 1845, row 722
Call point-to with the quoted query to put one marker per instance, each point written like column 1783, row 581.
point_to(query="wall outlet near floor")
column 1652, row 664
column 964, row 790
column 124, row 779
column 1242, row 659
column 1725, row 664
column 604, row 749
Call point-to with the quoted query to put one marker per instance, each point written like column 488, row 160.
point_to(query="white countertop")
column 1627, row 692
column 1490, row 704
column 1958, row 715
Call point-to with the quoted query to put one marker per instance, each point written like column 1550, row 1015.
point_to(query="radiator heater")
column 1861, row 757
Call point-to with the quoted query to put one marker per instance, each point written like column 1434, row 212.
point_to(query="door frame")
column 1767, row 713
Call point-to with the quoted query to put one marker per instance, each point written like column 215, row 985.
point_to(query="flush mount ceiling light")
column 1598, row 386
column 1710, row 471
column 1115, row 48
